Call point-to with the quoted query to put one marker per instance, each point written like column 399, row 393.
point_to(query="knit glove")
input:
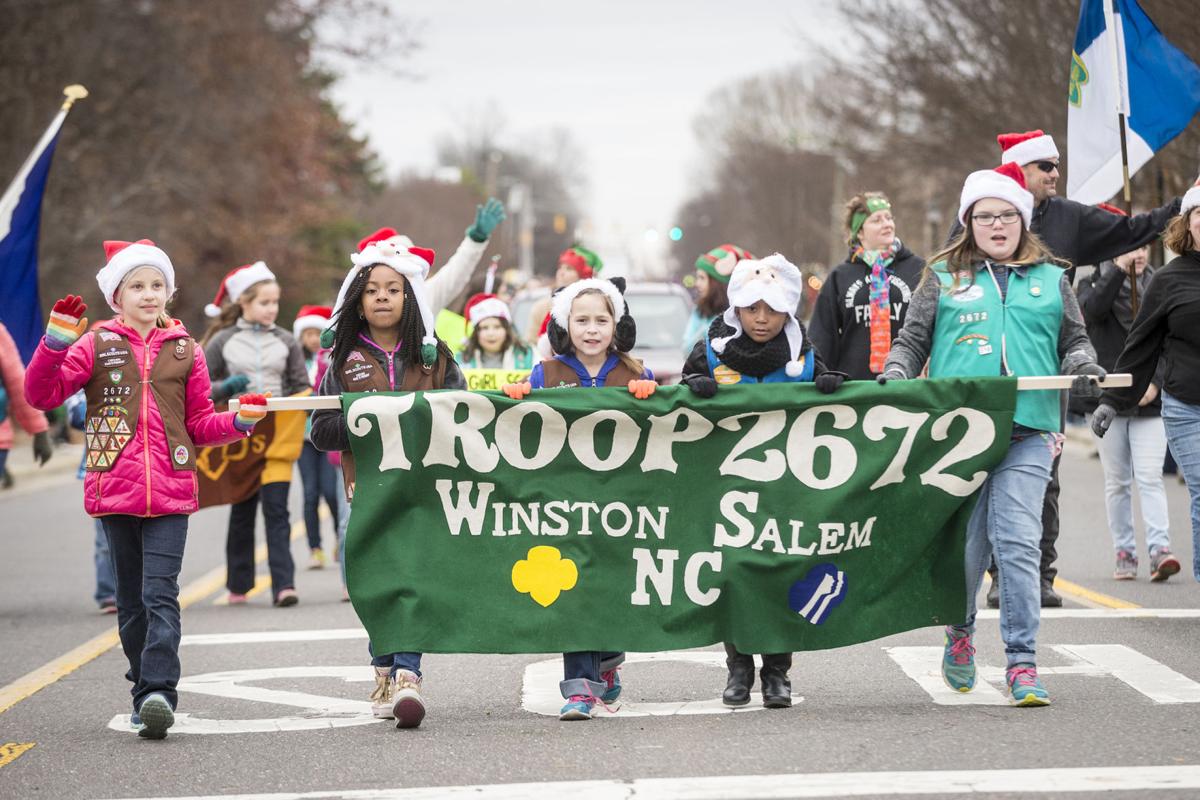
column 1102, row 417
column 1085, row 384
column 232, row 385
column 67, row 322
column 3, row 404
column 829, row 381
column 42, row 449
column 702, row 386
column 487, row 217
column 641, row 388
column 251, row 410
column 516, row 391
column 889, row 375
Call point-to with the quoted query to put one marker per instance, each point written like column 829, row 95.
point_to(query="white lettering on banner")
column 691, row 578
column 981, row 431
column 582, row 440
column 745, row 528
column 616, row 531
column 386, row 410
column 829, row 538
column 456, row 513
column 767, row 425
column 660, row 444
column 803, row 442
column 877, row 421
column 660, row 573
column 658, row 524
column 550, row 443
column 445, row 431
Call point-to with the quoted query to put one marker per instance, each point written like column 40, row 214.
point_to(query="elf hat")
column 316, row 317
column 1190, row 200
column 775, row 281
column 720, row 261
column 236, row 282
column 1005, row 182
column 123, row 258
column 582, row 260
column 387, row 248
column 1025, row 148
column 484, row 305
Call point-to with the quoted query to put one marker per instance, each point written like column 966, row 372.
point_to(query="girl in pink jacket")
column 148, row 408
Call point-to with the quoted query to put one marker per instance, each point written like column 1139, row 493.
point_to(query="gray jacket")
column 269, row 357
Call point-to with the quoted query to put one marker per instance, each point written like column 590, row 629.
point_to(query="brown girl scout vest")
column 557, row 374
column 362, row 373
column 114, row 399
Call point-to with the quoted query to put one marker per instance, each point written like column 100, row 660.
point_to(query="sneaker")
column 156, row 715
column 381, row 698
column 109, row 604
column 345, row 595
column 236, row 599
column 958, row 661
column 1127, row 565
column 407, row 706
column 286, row 597
column 578, row 707
column 316, row 559
column 1025, row 687
column 135, row 722
column 612, row 683
column 1162, row 564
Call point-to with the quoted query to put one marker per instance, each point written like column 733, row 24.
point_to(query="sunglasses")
column 1046, row 166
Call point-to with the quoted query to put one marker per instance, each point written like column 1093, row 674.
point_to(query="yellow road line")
column 11, row 751
column 1084, row 594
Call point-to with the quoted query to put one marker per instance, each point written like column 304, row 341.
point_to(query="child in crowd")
column 493, row 343
column 712, row 290
column 318, row 476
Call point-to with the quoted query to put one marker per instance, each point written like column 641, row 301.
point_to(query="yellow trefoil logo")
column 544, row 574
column 1079, row 77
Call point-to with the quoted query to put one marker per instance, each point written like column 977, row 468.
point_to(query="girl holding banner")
column 995, row 302
column 383, row 340
column 148, row 408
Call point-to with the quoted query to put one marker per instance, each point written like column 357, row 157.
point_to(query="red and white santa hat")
column 1190, row 200
column 1005, row 182
column 390, row 249
column 1025, row 148
column 311, row 317
column 123, row 258
column 485, row 305
column 237, row 281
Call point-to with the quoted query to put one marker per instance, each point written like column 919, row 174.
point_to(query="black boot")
column 993, row 592
column 1050, row 598
column 741, row 677
column 776, row 687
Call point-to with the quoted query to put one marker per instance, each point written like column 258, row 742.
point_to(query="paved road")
column 1125, row 685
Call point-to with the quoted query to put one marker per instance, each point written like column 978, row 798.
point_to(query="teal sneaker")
column 958, row 661
column 1025, row 687
column 612, row 689
column 578, row 707
column 156, row 716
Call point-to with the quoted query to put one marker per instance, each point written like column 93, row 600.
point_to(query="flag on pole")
column 1121, row 63
column 20, row 220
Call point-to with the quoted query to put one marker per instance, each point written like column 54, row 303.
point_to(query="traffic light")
column 676, row 233
column 560, row 223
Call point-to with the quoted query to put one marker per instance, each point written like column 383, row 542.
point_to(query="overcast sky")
column 625, row 78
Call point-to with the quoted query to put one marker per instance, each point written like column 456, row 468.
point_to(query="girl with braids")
column 383, row 340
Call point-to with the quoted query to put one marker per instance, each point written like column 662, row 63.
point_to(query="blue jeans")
column 319, row 480
column 581, row 672
column 1133, row 450
column 147, row 553
column 239, row 542
column 1007, row 520
column 1182, row 421
column 343, row 521
column 106, row 582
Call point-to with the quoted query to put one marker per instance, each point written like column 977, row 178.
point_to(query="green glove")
column 487, row 217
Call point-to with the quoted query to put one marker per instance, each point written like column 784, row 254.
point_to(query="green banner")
column 772, row 517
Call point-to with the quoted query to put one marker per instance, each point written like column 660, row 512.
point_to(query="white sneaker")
column 408, row 709
column 381, row 698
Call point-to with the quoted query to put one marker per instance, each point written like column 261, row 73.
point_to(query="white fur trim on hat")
column 1038, row 148
column 990, row 183
column 1190, row 200
column 775, row 281
column 413, row 274
column 560, row 307
column 315, row 321
column 491, row 307
column 126, row 261
column 238, row 282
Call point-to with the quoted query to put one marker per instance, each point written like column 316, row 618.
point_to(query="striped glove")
column 251, row 410
column 67, row 322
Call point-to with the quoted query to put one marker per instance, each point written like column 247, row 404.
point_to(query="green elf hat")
column 720, row 261
column 582, row 260
column 873, row 204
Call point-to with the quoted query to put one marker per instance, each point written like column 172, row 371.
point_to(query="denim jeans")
column 239, row 543
column 319, row 480
column 581, row 672
column 1182, row 421
column 1007, row 520
column 343, row 522
column 395, row 661
column 1133, row 450
column 106, row 582
column 147, row 553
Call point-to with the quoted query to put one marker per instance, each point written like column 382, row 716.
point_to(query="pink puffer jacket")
column 12, row 373
column 142, row 482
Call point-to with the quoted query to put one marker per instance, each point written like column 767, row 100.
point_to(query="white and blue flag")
column 1122, row 63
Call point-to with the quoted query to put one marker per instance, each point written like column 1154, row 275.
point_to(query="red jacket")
column 12, row 375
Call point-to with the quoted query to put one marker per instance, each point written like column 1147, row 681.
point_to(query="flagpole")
column 1118, row 40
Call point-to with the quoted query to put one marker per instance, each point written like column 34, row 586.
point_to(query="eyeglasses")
column 987, row 220
column 1046, row 166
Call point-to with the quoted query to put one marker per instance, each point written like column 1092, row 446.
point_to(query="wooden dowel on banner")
column 312, row 403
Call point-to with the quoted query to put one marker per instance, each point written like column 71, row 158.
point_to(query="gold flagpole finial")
column 76, row 91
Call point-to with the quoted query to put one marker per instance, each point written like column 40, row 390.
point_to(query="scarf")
column 881, row 302
column 747, row 356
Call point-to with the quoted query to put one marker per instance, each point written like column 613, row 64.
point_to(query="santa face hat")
column 775, row 281
column 387, row 248
column 311, row 317
column 1190, row 200
column 125, row 257
column 719, row 262
column 582, row 260
column 560, row 308
column 485, row 306
column 236, row 282
column 1025, row 148
column 1005, row 182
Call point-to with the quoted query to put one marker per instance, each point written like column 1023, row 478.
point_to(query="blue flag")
column 20, row 220
column 1122, row 63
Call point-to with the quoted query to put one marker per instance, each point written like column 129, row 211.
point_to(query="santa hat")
column 387, row 248
column 123, row 258
column 560, row 307
column 483, row 305
column 1025, row 148
column 720, row 261
column 582, row 260
column 236, row 282
column 1190, row 200
column 311, row 317
column 775, row 281
column 1005, row 182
